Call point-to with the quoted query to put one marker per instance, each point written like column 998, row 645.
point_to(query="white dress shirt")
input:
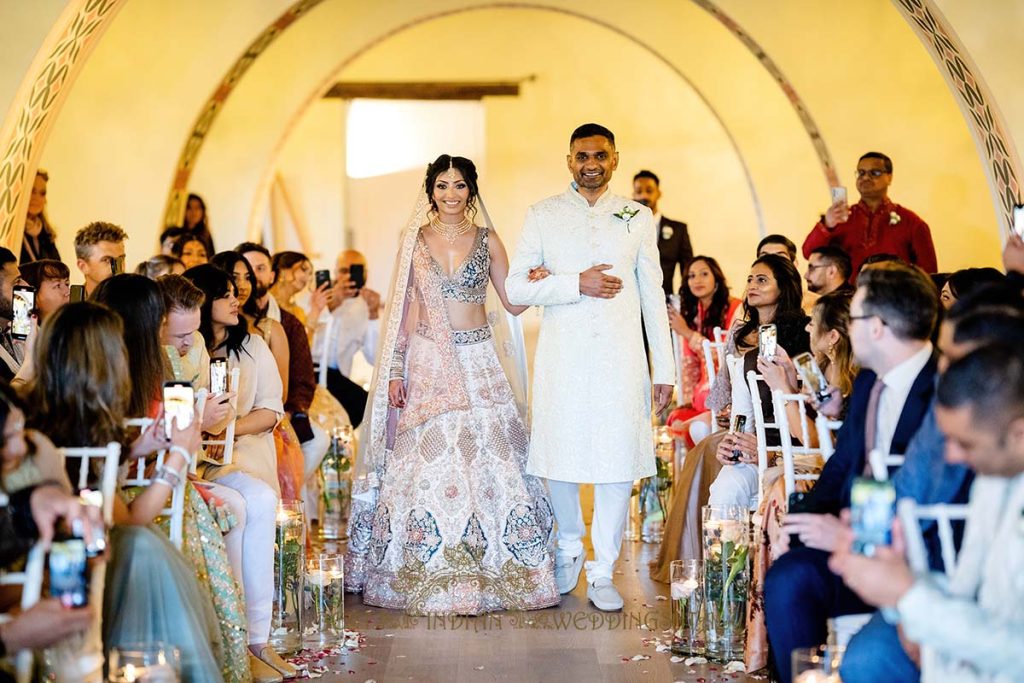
column 353, row 331
column 898, row 382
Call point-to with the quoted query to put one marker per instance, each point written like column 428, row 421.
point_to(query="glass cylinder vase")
column 335, row 479
column 289, row 570
column 687, row 596
column 726, row 579
column 323, row 613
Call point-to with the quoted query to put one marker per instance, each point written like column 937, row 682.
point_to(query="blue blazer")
column 832, row 491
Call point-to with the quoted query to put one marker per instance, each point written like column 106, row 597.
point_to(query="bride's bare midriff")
column 461, row 316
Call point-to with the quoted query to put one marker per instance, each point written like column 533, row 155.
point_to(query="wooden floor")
column 571, row 643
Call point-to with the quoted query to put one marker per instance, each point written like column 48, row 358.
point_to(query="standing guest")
column 160, row 265
column 875, row 224
column 780, row 245
column 892, row 317
column 12, row 352
column 578, row 236
column 828, row 270
column 39, row 240
column 99, row 249
column 197, row 222
column 706, row 304
column 52, row 282
column 356, row 329
column 673, row 237
column 168, row 238
column 191, row 251
column 963, row 282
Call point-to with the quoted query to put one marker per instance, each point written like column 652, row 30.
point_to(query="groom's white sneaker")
column 604, row 596
column 567, row 572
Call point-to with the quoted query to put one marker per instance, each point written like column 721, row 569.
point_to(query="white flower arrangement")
column 894, row 218
column 626, row 213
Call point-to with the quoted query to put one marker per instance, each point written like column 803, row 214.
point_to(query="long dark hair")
column 216, row 284
column 791, row 294
column 82, row 384
column 139, row 302
column 201, row 229
column 461, row 164
column 226, row 261
column 283, row 260
column 714, row 316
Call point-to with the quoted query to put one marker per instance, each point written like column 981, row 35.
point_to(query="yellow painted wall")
column 23, row 27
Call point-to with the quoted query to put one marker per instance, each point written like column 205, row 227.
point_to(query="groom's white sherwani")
column 591, row 397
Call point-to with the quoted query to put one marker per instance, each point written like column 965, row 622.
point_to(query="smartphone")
column 179, row 404
column 767, row 337
column 799, row 501
column 323, row 277
column 77, row 293
column 1018, row 220
column 872, row 511
column 218, row 376
column 24, row 302
column 736, row 426
column 838, row 195
column 675, row 302
column 69, row 572
column 812, row 376
column 357, row 274
column 116, row 264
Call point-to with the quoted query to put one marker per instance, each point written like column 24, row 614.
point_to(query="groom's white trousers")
column 611, row 506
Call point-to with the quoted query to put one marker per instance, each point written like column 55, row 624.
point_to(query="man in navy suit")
column 673, row 237
column 892, row 317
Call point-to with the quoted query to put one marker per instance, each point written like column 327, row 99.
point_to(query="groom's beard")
column 643, row 200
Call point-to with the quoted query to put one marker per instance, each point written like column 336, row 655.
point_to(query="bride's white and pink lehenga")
column 444, row 518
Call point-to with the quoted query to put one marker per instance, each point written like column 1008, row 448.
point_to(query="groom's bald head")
column 589, row 130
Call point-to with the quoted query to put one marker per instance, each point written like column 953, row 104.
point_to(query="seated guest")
column 191, row 251
column 706, row 304
column 972, row 622
column 12, row 351
column 253, row 472
column 828, row 270
column 261, row 308
column 39, row 241
column 99, row 249
column 79, row 397
column 140, row 303
column 963, row 282
column 160, row 265
column 875, row 224
column 780, row 245
column 892, row 316
column 52, row 281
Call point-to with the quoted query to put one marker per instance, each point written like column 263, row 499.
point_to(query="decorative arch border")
column 41, row 95
column 991, row 136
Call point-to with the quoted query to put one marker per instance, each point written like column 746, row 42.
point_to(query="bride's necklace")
column 450, row 232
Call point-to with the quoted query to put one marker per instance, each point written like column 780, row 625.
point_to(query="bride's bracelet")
column 397, row 365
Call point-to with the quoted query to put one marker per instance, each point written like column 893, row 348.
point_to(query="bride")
column 444, row 518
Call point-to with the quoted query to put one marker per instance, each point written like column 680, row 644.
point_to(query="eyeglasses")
column 874, row 172
column 868, row 315
column 811, row 266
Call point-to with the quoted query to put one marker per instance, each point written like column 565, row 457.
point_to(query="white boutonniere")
column 627, row 214
column 667, row 232
column 894, row 218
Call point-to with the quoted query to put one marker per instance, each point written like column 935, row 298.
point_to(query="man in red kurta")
column 874, row 225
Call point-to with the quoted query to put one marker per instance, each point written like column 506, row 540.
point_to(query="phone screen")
column 872, row 511
column 77, row 293
column 838, row 195
column 767, row 341
column 69, row 572
column 24, row 302
column 357, row 274
column 737, row 423
column 323, row 277
column 116, row 264
column 812, row 375
column 1018, row 220
column 218, row 376
column 179, row 400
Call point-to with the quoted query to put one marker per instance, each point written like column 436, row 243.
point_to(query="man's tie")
column 871, row 422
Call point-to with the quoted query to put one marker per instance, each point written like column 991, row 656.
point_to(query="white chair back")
column 135, row 475
column 826, row 435
column 780, row 403
column 881, row 462
column 228, row 441
column 323, row 335
column 714, row 350
column 31, row 582
column 110, row 456
column 760, row 428
column 911, row 515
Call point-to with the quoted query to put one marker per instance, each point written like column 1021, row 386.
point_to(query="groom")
column 591, row 386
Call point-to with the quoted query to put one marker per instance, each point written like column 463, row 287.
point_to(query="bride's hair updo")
column 461, row 164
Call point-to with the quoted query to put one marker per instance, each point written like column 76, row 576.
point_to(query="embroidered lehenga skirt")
column 458, row 527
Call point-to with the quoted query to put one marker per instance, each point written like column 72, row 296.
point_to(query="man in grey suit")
column 673, row 238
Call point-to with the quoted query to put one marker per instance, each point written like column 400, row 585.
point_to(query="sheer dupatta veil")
column 415, row 294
